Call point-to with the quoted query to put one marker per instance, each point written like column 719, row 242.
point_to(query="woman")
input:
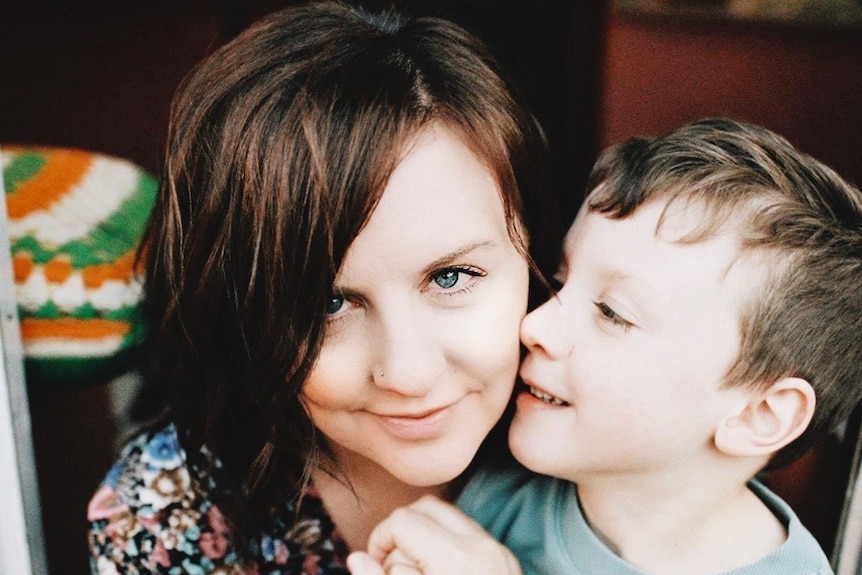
column 336, row 269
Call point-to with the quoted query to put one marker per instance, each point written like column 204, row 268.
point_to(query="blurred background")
column 99, row 75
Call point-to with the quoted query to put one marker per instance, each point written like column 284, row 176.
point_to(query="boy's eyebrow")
column 452, row 257
column 626, row 277
column 651, row 294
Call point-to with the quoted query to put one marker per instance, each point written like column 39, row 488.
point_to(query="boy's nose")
column 542, row 330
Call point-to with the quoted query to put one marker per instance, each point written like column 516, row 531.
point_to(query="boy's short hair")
column 800, row 220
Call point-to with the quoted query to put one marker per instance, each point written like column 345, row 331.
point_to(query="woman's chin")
column 430, row 471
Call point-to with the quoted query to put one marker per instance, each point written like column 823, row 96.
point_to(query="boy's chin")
column 539, row 445
column 525, row 447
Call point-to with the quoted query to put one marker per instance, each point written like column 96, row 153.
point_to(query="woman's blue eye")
column 446, row 278
column 334, row 305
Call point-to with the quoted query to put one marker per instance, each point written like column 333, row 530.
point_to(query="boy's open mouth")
column 546, row 397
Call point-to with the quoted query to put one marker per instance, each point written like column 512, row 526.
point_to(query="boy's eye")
column 334, row 304
column 612, row 316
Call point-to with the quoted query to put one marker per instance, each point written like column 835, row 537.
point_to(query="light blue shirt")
column 539, row 518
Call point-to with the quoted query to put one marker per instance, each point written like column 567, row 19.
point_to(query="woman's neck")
column 364, row 495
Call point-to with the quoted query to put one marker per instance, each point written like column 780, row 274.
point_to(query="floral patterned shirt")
column 148, row 516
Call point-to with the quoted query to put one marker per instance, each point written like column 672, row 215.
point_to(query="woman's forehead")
column 439, row 199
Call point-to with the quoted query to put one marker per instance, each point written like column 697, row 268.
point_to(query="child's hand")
column 430, row 537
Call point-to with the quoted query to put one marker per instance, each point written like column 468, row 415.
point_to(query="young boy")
column 708, row 326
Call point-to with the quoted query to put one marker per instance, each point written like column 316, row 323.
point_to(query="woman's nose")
column 544, row 330
column 410, row 359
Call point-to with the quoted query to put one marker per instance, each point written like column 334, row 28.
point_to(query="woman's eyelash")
column 447, row 282
column 448, row 278
column 612, row 316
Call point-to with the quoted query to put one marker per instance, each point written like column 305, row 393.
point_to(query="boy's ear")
column 768, row 421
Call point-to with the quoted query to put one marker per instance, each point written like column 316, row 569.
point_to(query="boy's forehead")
column 643, row 222
column 660, row 230
column 676, row 218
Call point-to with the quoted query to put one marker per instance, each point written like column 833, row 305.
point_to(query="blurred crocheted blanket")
column 75, row 220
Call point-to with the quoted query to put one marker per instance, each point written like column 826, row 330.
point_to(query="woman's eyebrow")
column 452, row 257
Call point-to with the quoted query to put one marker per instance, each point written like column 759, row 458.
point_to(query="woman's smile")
column 419, row 426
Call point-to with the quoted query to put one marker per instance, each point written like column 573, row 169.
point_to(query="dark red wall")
column 803, row 82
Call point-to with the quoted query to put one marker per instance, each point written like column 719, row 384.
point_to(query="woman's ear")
column 768, row 421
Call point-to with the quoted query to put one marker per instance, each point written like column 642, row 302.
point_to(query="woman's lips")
column 420, row 426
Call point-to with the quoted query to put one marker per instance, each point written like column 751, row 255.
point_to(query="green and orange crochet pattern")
column 75, row 221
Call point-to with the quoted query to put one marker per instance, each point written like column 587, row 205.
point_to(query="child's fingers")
column 415, row 533
column 406, row 529
column 359, row 563
column 446, row 515
column 438, row 540
column 401, row 569
column 397, row 563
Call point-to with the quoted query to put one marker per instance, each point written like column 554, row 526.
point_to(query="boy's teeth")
column 546, row 397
